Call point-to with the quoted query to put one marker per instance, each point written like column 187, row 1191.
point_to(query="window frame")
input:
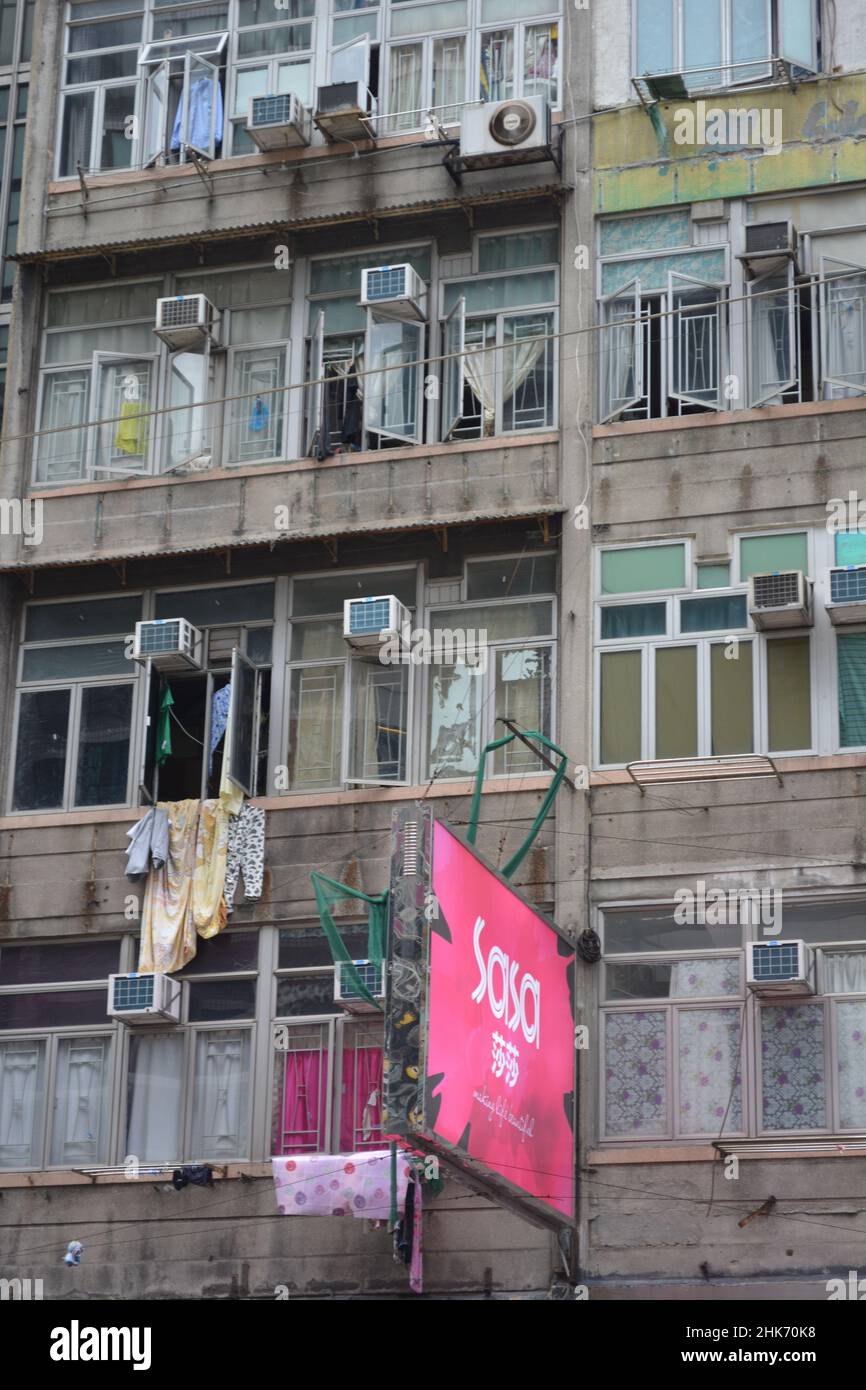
column 727, row 65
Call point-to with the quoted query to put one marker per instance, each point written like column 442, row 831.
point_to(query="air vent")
column 513, row 123
column 410, row 848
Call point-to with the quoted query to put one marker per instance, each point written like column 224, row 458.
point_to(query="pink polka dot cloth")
column 339, row 1184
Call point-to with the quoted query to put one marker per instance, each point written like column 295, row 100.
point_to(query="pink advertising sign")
column 500, row 1029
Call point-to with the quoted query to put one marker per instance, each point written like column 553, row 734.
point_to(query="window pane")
column 113, row 33
column 300, row 946
column 22, row 1081
column 259, row 645
column 502, row 292
column 300, row 1094
column 316, row 728
column 851, row 548
column 298, row 995
column 750, row 37
column 326, row 595
column 103, row 745
column 771, row 346
column 76, row 132
column 128, row 338
column 822, row 921
column 116, row 145
column 210, row 607
column 73, row 960
column 53, row 1009
column 708, row 1055
column 262, row 11
column 634, row 620
column 405, row 86
column 101, row 68
column 496, row 77
column 64, row 406
column 256, row 421
column 500, row 622
column 523, row 695
column 635, row 1074
column 620, row 707
column 62, row 663
column 792, row 1066
column 713, row 614
column 540, row 61
column 449, row 78
column 702, row 41
column 284, row 38
column 789, row 698
column 230, row 950
column 124, row 398
column 768, row 554
column 643, row 567
column 344, row 272
column 391, row 388
column 250, row 82
column 656, row 929
column 426, row 19
column 454, row 720
column 851, row 1035
column 517, row 250
column 154, row 1089
column 511, row 578
column 84, row 618
column 731, row 707
column 711, row 977
column 843, row 972
column 103, row 304
column 796, row 31
column 379, row 720
column 676, row 702
column 655, row 36
column 79, row 1127
column 361, row 1088
column 221, row 1095
column 313, row 641
column 527, row 373
column 211, row 1000
column 714, row 576
column 851, row 650
column 186, row 424
column 40, row 760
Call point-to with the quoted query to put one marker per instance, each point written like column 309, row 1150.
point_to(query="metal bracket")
column 200, row 169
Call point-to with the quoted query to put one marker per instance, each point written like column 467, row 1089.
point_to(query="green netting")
column 328, row 892
column 543, row 811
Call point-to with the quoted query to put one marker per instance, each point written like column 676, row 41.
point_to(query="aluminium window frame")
column 518, row 26
column 237, row 63
column 843, row 389
column 388, row 122
column 97, row 87
column 727, row 63
column 51, row 1040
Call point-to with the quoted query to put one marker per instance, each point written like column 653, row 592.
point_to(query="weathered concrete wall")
column 144, row 1240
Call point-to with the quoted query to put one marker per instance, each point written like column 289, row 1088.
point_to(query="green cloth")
column 328, row 892
column 163, row 728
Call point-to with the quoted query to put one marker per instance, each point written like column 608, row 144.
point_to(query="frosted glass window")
column 104, row 304
column 851, row 548
column 502, row 292
column 676, row 697
column 620, row 707
column 702, row 41
column 769, row 554
column 789, row 697
column 250, row 82
column 636, row 1073
column 655, row 36
column 797, row 31
column 731, row 699
column 792, row 1064
column 851, row 1062
column 22, row 1082
column 714, row 576
column 427, row 19
column 750, row 37
column 643, row 567
column 517, row 250
column 711, row 1085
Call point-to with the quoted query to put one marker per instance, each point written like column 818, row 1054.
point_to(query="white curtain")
column 20, row 1103
column 221, row 1087
column 79, row 1096
column 846, row 337
column 620, row 366
column 154, row 1092
column 520, row 359
column 844, row 972
column 771, row 343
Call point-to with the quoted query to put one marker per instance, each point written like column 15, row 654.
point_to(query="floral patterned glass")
column 710, row 1081
column 635, row 1073
column 792, row 1047
column 851, row 1036
column 692, row 979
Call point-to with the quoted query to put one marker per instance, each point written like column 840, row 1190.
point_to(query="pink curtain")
column 361, row 1100
column 302, row 1127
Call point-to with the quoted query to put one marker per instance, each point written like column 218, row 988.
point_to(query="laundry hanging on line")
column 184, row 899
column 356, row 1184
column 148, row 844
column 246, row 853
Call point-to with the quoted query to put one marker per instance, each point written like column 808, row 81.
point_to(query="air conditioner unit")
column 780, row 967
column 278, row 122
column 370, row 622
column 186, row 322
column 397, row 288
column 783, row 599
column 172, row 644
column 372, row 972
column 847, row 602
column 144, row 998
column 505, row 132
column 344, row 110
column 767, row 242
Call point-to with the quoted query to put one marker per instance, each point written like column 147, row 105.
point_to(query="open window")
column 183, row 114
column 123, row 392
column 189, row 424
column 243, row 720
column 316, row 429
column 351, row 62
column 773, row 342
column 453, row 368
column 797, row 33
column 622, row 366
column 392, row 388
column 843, row 328
column 694, row 342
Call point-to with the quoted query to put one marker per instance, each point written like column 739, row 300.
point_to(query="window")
column 74, row 706
column 518, row 60
column 690, row 1054
column 270, row 55
column 328, row 1074
column 499, row 339
column 100, row 72
column 720, row 43
column 348, row 714
column 684, row 675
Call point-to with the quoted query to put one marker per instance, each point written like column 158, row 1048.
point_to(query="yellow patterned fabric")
column 185, row 896
column 231, row 795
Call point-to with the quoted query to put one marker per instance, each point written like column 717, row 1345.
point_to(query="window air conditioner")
column 343, row 111
column 144, row 998
column 372, row 972
column 396, row 288
column 505, row 132
column 780, row 967
column 847, row 602
column 186, row 322
column 278, row 122
column 783, row 599
column 370, row 622
column 767, row 242
column 172, row 644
